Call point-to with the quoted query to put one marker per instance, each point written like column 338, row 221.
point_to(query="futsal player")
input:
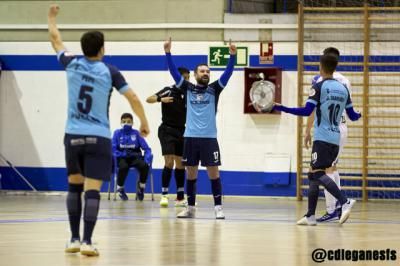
column 87, row 134
column 200, row 142
column 331, row 98
column 170, row 134
column 333, row 210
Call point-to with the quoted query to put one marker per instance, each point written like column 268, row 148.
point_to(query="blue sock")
column 216, row 189
column 74, row 208
column 92, row 202
column 191, row 191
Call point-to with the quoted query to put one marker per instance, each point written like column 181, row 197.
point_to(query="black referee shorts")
column 171, row 140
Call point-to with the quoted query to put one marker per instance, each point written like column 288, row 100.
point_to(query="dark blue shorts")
column 205, row 150
column 89, row 156
column 323, row 155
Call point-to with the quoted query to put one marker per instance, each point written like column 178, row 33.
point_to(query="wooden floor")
column 257, row 231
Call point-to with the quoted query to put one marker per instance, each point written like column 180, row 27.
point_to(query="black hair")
column 91, row 43
column 126, row 115
column 183, row 70
column 329, row 63
column 199, row 65
column 332, row 50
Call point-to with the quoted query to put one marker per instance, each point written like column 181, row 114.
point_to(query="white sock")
column 329, row 199
column 337, row 178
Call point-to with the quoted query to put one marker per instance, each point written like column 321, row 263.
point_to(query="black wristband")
column 158, row 98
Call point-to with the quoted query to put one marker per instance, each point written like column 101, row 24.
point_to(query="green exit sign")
column 218, row 56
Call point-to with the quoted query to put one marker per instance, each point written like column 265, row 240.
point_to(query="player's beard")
column 204, row 80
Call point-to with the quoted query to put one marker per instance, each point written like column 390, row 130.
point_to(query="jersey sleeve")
column 118, row 81
column 163, row 92
column 349, row 103
column 217, row 85
column 314, row 95
column 65, row 58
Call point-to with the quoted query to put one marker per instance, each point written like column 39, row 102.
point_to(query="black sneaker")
column 122, row 194
column 139, row 192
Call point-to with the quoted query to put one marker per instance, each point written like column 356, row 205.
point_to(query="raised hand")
column 167, row 45
column 53, row 10
column 232, row 48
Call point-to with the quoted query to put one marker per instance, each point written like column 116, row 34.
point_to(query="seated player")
column 127, row 145
column 331, row 98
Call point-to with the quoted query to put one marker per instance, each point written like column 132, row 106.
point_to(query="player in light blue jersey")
column 330, row 98
column 333, row 210
column 87, row 135
column 200, row 142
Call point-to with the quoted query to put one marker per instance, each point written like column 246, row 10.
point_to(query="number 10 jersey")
column 331, row 99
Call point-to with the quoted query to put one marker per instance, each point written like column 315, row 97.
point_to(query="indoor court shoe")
column 164, row 201
column 181, row 203
column 89, row 250
column 328, row 217
column 219, row 213
column 189, row 212
column 338, row 209
column 122, row 194
column 346, row 209
column 73, row 246
column 139, row 192
column 307, row 220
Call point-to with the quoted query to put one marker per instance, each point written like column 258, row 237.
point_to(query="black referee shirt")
column 173, row 114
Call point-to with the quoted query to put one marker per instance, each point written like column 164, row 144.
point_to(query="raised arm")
column 223, row 80
column 138, row 109
column 171, row 66
column 54, row 33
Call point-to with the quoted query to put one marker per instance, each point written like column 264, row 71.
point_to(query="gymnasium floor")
column 257, row 231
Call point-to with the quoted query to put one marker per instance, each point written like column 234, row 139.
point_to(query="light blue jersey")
column 331, row 98
column 90, row 85
column 202, row 103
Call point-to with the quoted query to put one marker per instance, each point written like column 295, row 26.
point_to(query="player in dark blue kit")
column 330, row 98
column 200, row 135
column 127, row 145
column 87, row 134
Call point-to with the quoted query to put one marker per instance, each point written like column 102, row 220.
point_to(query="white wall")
column 33, row 109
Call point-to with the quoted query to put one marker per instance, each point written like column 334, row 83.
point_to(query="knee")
column 169, row 162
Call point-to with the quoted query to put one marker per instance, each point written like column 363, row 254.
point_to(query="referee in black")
column 170, row 133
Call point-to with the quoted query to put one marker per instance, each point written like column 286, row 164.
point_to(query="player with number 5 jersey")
column 87, row 137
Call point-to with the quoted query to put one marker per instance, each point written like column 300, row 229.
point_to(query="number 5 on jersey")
column 85, row 99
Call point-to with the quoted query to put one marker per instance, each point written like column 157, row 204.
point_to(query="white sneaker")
column 307, row 221
column 219, row 213
column 73, row 247
column 181, row 203
column 346, row 209
column 164, row 201
column 89, row 250
column 189, row 212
